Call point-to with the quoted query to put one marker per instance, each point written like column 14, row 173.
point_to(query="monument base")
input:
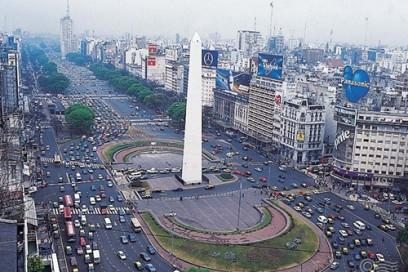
column 204, row 179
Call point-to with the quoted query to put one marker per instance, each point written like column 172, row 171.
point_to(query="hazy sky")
column 387, row 19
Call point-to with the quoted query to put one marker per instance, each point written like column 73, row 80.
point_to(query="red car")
column 237, row 172
column 262, row 179
column 372, row 255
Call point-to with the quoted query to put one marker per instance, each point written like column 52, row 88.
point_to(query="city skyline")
column 315, row 20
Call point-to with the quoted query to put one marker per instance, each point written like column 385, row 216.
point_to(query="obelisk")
column 192, row 156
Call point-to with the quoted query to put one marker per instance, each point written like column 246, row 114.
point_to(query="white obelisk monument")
column 192, row 156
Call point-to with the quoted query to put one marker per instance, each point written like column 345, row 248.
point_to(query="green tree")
column 35, row 264
column 403, row 235
column 177, row 111
column 156, row 101
column 79, row 117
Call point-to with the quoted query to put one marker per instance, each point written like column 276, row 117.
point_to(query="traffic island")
column 268, row 255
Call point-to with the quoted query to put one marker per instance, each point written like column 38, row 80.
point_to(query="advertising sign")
column 300, row 136
column 232, row 81
column 152, row 48
column 270, row 66
column 151, row 61
column 209, row 58
column 345, row 115
column 356, row 85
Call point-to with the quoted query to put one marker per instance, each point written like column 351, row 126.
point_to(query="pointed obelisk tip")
column 196, row 37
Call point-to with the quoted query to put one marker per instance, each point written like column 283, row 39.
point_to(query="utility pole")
column 239, row 203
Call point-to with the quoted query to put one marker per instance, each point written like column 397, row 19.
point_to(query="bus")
column 68, row 201
column 67, row 213
column 57, row 158
column 136, row 225
column 70, row 229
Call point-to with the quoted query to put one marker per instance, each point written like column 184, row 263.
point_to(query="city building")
column 302, row 130
column 262, row 118
column 312, row 56
column 154, row 66
column 276, row 44
column 249, row 42
column 67, row 40
column 174, row 71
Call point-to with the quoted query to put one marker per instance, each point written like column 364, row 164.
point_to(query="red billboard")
column 152, row 48
column 151, row 61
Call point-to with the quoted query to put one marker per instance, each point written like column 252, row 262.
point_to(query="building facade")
column 302, row 130
column 249, row 42
column 67, row 39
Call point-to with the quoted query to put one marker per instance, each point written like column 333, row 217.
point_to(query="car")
column 150, row 268
column 91, row 267
column 345, row 225
column 335, row 244
column 151, row 249
column 111, row 199
column 94, row 246
column 80, row 250
column 138, row 265
column 304, row 185
column 119, row 198
column 370, row 241
column 209, row 187
column 351, row 207
column 132, row 237
column 250, row 179
column 338, row 255
column 363, row 254
column 87, row 258
column 93, row 187
column 92, row 227
column 98, row 198
column 343, row 233
column 341, row 240
column 357, row 257
column 68, row 250
column 178, row 189
column 92, row 200
column 110, row 183
column 62, row 189
column 345, row 250
column 145, row 256
column 358, row 232
column 77, row 224
column 88, row 249
column 380, row 257
column 121, row 255
column 334, row 265
column 124, row 239
column 297, row 208
column 351, row 264
column 122, row 219
column 294, row 185
column 84, row 209
column 258, row 169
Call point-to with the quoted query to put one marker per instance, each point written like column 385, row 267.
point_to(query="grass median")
column 268, row 255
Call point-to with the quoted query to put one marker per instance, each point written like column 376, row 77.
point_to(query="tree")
column 35, row 264
column 156, row 101
column 403, row 235
column 177, row 111
column 79, row 117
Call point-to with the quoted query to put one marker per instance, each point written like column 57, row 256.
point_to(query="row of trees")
column 79, row 118
column 132, row 86
column 50, row 80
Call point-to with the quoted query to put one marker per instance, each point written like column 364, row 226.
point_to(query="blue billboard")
column 356, row 85
column 232, row 81
column 209, row 58
column 270, row 66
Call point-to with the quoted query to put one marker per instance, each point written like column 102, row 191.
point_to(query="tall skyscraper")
column 192, row 155
column 67, row 40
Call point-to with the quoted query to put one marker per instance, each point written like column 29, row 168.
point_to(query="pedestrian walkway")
column 114, row 210
column 73, row 163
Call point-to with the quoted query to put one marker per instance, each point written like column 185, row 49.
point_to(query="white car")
column 322, row 219
column 380, row 257
column 92, row 200
column 258, row 169
column 351, row 207
column 88, row 249
column 121, row 255
column 84, row 209
column 345, row 225
column 110, row 184
column 76, row 223
column 98, row 198
column 343, row 233
column 297, row 208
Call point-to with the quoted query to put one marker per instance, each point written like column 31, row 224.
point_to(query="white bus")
column 359, row 225
column 136, row 225
column 108, row 223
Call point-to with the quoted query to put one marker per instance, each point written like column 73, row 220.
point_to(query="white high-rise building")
column 67, row 40
column 249, row 42
column 192, row 155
